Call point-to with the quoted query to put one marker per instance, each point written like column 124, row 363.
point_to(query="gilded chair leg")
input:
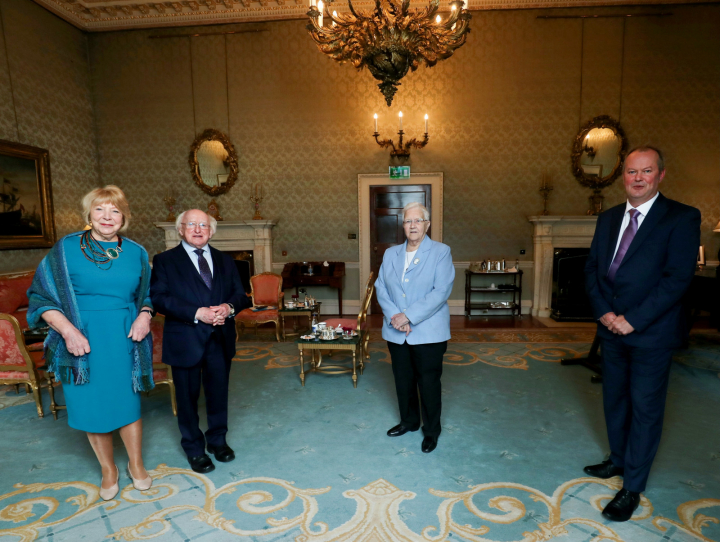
column 53, row 405
column 38, row 399
column 28, row 389
column 173, row 399
column 277, row 331
column 17, row 389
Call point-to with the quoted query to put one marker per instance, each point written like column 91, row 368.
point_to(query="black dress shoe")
column 606, row 469
column 429, row 444
column 400, row 430
column 201, row 464
column 621, row 508
column 222, row 453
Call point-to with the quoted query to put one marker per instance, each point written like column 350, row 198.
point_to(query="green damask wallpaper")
column 46, row 101
column 503, row 112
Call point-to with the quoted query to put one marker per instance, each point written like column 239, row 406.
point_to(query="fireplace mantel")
column 255, row 235
column 552, row 232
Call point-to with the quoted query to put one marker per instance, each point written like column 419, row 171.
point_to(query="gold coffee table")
column 336, row 344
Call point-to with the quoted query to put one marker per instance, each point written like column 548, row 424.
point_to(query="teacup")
column 321, row 325
column 289, row 304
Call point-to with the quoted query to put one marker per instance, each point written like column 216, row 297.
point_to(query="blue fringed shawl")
column 52, row 290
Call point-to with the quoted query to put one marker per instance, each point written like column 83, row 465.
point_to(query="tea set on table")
column 321, row 331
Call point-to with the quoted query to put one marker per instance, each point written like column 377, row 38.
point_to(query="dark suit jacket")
column 177, row 291
column 653, row 276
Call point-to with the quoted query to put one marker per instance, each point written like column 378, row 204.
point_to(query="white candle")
column 375, row 122
column 426, row 119
column 400, row 115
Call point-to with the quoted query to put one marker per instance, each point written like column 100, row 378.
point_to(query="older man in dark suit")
column 641, row 262
column 198, row 289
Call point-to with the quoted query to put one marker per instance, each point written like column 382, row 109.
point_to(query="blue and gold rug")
column 314, row 464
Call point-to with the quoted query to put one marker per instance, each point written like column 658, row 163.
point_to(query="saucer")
column 308, row 337
column 350, row 338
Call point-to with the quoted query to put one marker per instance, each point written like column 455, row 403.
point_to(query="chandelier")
column 391, row 39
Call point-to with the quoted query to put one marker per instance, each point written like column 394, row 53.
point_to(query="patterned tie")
column 204, row 268
column 628, row 236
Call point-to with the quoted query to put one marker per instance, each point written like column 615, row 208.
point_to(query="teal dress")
column 106, row 300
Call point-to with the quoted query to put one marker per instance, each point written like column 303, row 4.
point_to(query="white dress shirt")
column 195, row 257
column 408, row 260
column 643, row 209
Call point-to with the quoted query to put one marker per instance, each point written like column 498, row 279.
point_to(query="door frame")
column 365, row 181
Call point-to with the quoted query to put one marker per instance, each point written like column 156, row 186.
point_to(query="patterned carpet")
column 314, row 464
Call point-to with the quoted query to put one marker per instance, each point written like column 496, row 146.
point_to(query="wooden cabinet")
column 479, row 296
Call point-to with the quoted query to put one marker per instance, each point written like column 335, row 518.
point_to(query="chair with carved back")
column 265, row 290
column 359, row 324
column 20, row 364
column 162, row 373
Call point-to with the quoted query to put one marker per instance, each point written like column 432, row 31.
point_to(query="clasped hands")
column 401, row 323
column 616, row 324
column 213, row 315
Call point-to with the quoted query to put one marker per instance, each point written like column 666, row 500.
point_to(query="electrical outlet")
column 352, row 236
column 284, row 252
column 522, row 251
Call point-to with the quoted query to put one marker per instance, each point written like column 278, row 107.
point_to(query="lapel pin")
column 416, row 261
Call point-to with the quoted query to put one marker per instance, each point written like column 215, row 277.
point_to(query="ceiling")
column 104, row 15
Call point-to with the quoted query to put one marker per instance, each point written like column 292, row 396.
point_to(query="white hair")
column 211, row 220
column 416, row 205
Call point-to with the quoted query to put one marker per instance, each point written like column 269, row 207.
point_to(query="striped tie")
column 204, row 268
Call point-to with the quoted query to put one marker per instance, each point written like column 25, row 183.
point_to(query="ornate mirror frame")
column 214, row 135
column 597, row 183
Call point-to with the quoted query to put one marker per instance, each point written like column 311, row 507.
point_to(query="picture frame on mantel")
column 26, row 208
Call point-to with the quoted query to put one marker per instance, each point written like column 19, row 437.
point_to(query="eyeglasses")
column 192, row 225
column 416, row 221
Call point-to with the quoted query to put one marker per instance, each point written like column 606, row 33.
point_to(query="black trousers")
column 214, row 373
column 418, row 368
column 635, row 382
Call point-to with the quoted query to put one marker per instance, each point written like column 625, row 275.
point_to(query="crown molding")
column 103, row 15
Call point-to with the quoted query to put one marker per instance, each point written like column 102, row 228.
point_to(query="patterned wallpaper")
column 45, row 101
column 503, row 111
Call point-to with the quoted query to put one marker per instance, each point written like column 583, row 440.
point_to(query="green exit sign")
column 400, row 172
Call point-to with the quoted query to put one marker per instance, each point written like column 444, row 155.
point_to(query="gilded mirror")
column 597, row 156
column 213, row 162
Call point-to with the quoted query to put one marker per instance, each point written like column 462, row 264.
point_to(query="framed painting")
column 26, row 210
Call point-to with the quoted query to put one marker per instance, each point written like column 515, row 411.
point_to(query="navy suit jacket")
column 654, row 274
column 177, row 291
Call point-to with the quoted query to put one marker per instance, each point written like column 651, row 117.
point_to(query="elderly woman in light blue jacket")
column 413, row 286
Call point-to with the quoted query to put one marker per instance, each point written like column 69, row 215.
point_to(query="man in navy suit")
column 641, row 262
column 198, row 289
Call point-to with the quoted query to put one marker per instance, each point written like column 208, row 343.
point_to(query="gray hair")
column 211, row 220
column 416, row 205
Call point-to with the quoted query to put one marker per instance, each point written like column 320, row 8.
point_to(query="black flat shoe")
column 604, row 470
column 399, row 430
column 621, row 508
column 201, row 464
column 429, row 444
column 222, row 453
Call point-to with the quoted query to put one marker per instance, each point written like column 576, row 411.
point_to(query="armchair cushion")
column 13, row 296
column 248, row 315
column 266, row 288
column 9, row 350
column 345, row 323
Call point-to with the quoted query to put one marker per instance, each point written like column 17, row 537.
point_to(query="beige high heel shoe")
column 109, row 493
column 140, row 485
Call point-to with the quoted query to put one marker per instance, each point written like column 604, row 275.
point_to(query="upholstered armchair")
column 162, row 373
column 265, row 289
column 19, row 364
column 359, row 325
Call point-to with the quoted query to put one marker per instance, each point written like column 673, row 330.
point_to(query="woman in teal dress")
column 92, row 289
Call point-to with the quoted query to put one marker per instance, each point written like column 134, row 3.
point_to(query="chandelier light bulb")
column 438, row 19
column 453, row 7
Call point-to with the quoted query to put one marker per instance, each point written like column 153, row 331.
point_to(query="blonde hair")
column 211, row 220
column 110, row 194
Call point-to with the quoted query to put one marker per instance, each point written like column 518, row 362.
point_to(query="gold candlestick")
column 256, row 198
column 545, row 190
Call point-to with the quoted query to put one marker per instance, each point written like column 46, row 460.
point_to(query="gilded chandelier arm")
column 417, row 144
column 384, row 143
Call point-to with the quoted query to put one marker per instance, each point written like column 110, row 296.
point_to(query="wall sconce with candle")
column 590, row 151
column 402, row 150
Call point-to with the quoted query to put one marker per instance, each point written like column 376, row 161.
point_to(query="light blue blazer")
column 422, row 296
